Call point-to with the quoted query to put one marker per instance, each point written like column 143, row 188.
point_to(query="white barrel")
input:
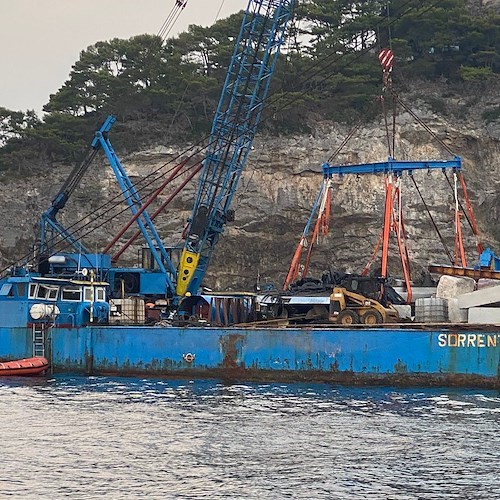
column 431, row 310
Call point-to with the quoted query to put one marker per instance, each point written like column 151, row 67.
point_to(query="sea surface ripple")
column 99, row 437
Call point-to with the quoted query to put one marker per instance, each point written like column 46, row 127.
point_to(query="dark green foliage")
column 165, row 92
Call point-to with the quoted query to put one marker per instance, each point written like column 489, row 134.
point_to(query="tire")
column 348, row 317
column 282, row 313
column 317, row 312
column 371, row 317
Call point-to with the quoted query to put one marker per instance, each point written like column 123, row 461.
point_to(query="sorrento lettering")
column 468, row 339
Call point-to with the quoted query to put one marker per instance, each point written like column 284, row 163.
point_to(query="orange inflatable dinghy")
column 24, row 367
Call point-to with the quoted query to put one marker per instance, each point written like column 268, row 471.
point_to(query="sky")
column 42, row 39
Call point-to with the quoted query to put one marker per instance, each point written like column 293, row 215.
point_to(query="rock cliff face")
column 276, row 194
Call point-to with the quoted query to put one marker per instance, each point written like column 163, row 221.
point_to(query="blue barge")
column 382, row 355
column 85, row 315
column 68, row 321
column 349, row 356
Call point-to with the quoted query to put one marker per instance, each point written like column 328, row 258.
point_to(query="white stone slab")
column 455, row 314
column 483, row 297
column 404, row 311
column 484, row 315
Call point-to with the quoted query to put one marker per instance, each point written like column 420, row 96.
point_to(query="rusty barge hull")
column 467, row 357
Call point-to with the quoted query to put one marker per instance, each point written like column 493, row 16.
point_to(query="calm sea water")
column 94, row 437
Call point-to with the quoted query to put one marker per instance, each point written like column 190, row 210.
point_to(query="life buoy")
column 188, row 358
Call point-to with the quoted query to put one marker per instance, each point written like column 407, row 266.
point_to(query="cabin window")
column 87, row 294
column 72, row 293
column 6, row 290
column 47, row 292
column 21, row 289
column 33, row 287
column 100, row 294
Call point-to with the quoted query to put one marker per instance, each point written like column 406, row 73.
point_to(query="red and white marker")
column 386, row 58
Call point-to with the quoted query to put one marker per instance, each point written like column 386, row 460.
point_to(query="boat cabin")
column 32, row 299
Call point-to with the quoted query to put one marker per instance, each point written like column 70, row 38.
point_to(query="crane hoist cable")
column 468, row 213
column 175, row 20
column 171, row 19
column 219, row 11
column 311, row 74
column 145, row 183
column 395, row 218
column 448, row 253
column 353, row 130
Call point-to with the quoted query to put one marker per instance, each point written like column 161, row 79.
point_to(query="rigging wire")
column 472, row 224
column 171, row 19
column 436, row 228
column 278, row 98
column 219, row 11
column 296, row 97
column 181, row 8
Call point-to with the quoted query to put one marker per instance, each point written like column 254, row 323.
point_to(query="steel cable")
column 278, row 98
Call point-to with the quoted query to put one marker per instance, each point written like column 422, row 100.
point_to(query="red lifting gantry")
column 393, row 211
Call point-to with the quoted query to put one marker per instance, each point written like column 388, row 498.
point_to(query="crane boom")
column 233, row 130
column 50, row 227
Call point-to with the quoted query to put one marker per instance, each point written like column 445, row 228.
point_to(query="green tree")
column 14, row 124
column 444, row 36
column 210, row 48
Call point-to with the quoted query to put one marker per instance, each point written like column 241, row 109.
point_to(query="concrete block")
column 484, row 315
column 486, row 296
column 450, row 287
column 455, row 314
column 404, row 311
column 486, row 283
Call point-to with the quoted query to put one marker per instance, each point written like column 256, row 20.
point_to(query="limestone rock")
column 450, row 287
column 275, row 197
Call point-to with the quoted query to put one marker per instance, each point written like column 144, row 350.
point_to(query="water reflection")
column 89, row 437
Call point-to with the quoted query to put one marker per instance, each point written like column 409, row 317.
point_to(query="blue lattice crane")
column 158, row 281
column 54, row 235
column 233, row 130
